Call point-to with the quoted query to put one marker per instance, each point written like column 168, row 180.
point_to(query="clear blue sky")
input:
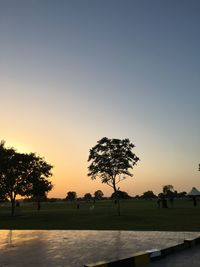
column 73, row 71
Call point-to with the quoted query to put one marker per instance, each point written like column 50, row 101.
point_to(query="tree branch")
column 121, row 179
column 109, row 184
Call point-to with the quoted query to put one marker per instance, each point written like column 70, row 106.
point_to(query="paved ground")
column 186, row 258
column 76, row 248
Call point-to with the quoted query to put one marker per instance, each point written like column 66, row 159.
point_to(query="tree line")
column 168, row 191
column 26, row 174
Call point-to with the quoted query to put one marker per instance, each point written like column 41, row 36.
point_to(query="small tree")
column 87, row 196
column 182, row 194
column 111, row 160
column 120, row 195
column 168, row 190
column 148, row 195
column 98, row 194
column 71, row 195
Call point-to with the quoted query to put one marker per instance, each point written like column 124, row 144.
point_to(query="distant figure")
column 92, row 207
column 194, row 201
column 158, row 202
column 164, row 203
column 17, row 210
column 171, row 200
column 77, row 205
column 38, row 205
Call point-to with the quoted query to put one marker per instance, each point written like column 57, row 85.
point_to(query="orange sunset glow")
column 103, row 71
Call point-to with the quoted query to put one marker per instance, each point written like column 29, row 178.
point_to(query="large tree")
column 12, row 171
column 111, row 161
column 38, row 174
column 22, row 174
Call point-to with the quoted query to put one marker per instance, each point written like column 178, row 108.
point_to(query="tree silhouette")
column 111, row 160
column 87, row 196
column 168, row 190
column 39, row 172
column 22, row 174
column 71, row 195
column 148, row 195
column 120, row 194
column 98, row 194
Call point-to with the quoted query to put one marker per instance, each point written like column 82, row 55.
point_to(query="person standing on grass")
column 171, row 200
column 194, row 201
column 77, row 204
column 164, row 203
column 17, row 208
column 158, row 202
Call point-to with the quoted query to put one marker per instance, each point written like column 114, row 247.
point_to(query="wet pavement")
column 69, row 248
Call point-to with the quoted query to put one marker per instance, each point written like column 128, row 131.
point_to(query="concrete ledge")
column 99, row 264
column 148, row 256
column 173, row 249
column 197, row 240
column 192, row 242
column 141, row 259
column 135, row 260
column 154, row 254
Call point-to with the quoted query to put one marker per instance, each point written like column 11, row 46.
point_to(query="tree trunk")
column 38, row 204
column 12, row 197
column 12, row 206
column 114, row 187
column 117, row 199
column 118, row 207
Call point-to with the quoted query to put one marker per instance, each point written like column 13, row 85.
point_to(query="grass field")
column 135, row 215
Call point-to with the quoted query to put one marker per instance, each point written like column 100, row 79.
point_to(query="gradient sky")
column 72, row 72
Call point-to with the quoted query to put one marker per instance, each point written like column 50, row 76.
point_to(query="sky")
column 74, row 71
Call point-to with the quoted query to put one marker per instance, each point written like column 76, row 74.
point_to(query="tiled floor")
column 76, row 248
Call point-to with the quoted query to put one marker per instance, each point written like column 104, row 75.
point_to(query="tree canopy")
column 120, row 194
column 23, row 174
column 111, row 161
column 87, row 196
column 98, row 194
column 168, row 190
column 148, row 195
column 71, row 195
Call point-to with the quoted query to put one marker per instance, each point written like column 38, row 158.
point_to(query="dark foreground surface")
column 75, row 248
column 186, row 258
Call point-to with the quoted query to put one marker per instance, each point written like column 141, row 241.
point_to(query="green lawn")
column 135, row 215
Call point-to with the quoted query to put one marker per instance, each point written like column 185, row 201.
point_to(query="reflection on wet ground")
column 76, row 248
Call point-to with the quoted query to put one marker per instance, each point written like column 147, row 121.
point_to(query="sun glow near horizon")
column 75, row 72
column 70, row 172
